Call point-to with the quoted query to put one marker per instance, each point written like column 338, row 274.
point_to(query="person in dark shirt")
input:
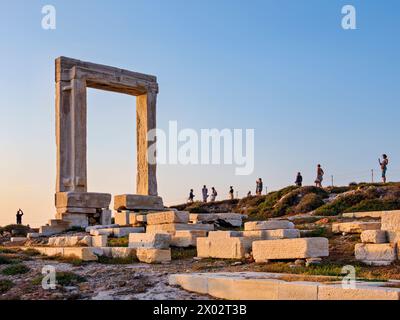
column 299, row 180
column 19, row 215
column 191, row 196
column 231, row 193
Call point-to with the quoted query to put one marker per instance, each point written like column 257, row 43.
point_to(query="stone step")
column 268, row 286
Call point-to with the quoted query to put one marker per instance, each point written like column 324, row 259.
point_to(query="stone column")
column 71, row 135
column 146, row 182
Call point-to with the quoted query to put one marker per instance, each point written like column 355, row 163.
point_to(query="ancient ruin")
column 73, row 201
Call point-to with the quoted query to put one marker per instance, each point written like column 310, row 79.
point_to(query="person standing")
column 299, row 180
column 191, row 196
column 259, row 186
column 19, row 215
column 384, row 163
column 213, row 194
column 249, row 194
column 204, row 192
column 320, row 176
column 231, row 193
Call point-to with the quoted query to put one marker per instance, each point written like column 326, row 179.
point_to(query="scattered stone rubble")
column 379, row 240
column 267, row 240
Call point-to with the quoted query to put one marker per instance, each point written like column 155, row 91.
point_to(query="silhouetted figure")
column 19, row 215
column 213, row 194
column 299, row 180
column 249, row 194
column 259, row 187
column 191, row 196
column 204, row 192
column 231, row 193
column 383, row 165
column 320, row 176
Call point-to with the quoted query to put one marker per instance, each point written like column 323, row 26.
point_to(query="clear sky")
column 313, row 92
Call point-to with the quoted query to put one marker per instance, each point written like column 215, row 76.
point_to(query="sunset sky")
column 312, row 91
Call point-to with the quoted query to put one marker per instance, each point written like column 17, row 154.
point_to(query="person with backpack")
column 213, row 194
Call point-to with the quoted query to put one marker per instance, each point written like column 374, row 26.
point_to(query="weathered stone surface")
column 86, row 241
column 191, row 282
column 119, row 252
column 123, row 232
column 393, row 236
column 355, row 226
column 373, row 236
column 267, row 286
column 82, row 253
column 72, row 78
column 105, row 217
column 82, row 200
column 18, row 239
column 99, row 241
column 187, row 238
column 137, row 202
column 368, row 214
column 63, row 210
column 375, row 252
column 172, row 227
column 69, row 241
column 150, row 240
column 336, row 292
column 224, row 234
column 33, row 235
column 300, row 248
column 223, row 248
column 105, row 231
column 122, row 218
column 233, row 219
column 268, row 225
column 108, row 226
column 137, row 219
column 116, row 232
column 272, row 234
column 50, row 230
column 150, row 255
column 76, row 219
column 168, row 217
column 391, row 221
